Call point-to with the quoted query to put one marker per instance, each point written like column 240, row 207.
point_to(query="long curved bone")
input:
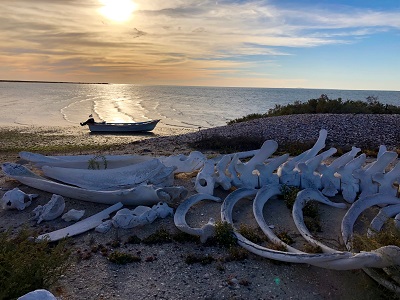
column 140, row 195
column 17, row 199
column 81, row 226
column 302, row 198
column 83, row 161
column 382, row 257
column 367, row 186
column 207, row 230
column 108, row 179
column 315, row 259
column 263, row 195
column 357, row 208
column 349, row 184
column 384, row 214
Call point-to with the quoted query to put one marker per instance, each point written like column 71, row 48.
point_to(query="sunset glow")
column 333, row 44
column 117, row 10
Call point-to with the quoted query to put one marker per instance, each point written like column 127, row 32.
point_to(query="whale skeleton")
column 345, row 174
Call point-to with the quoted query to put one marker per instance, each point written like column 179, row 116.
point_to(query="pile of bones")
column 148, row 183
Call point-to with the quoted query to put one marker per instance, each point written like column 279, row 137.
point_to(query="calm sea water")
column 187, row 107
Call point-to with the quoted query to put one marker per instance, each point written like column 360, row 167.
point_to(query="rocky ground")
column 163, row 272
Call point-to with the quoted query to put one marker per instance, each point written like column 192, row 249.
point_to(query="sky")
column 282, row 43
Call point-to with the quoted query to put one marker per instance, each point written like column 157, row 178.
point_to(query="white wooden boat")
column 122, row 127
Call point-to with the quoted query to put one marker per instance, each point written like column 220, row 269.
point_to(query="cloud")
column 200, row 36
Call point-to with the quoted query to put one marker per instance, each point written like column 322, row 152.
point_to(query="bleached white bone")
column 245, row 170
column 367, row 186
column 109, row 179
column 384, row 214
column 184, row 164
column 302, row 198
column 140, row 195
column 221, row 178
column 382, row 257
column 330, row 182
column 267, row 175
column 386, row 181
column 50, row 211
column 349, row 185
column 73, row 215
column 287, row 172
column 16, row 199
column 207, row 230
column 262, row 196
column 357, row 208
column 83, row 161
column 205, row 179
column 81, row 226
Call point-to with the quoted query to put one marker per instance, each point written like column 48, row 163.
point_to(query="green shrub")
column 161, row 236
column 26, row 265
column 389, row 235
column 121, row 258
column 202, row 259
column 289, row 194
column 224, row 235
column 324, row 105
column 252, row 234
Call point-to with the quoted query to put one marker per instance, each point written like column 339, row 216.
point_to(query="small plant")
column 121, row 258
column 289, row 194
column 314, row 225
column 224, row 235
column 251, row 233
column 309, row 248
column 27, row 265
column 237, row 254
column 277, row 247
column 389, row 235
column 285, row 237
column 311, row 209
column 161, row 236
column 244, row 282
column 183, row 237
column 220, row 267
column 311, row 216
column 202, row 259
column 93, row 164
column 133, row 239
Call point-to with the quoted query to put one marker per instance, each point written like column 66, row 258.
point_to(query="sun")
column 117, row 10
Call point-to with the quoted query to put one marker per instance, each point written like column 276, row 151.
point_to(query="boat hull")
column 124, row 127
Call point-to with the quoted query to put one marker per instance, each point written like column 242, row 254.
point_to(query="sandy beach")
column 162, row 272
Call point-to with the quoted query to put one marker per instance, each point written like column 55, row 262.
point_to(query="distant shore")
column 41, row 81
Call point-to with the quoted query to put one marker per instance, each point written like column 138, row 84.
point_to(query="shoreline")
column 162, row 272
